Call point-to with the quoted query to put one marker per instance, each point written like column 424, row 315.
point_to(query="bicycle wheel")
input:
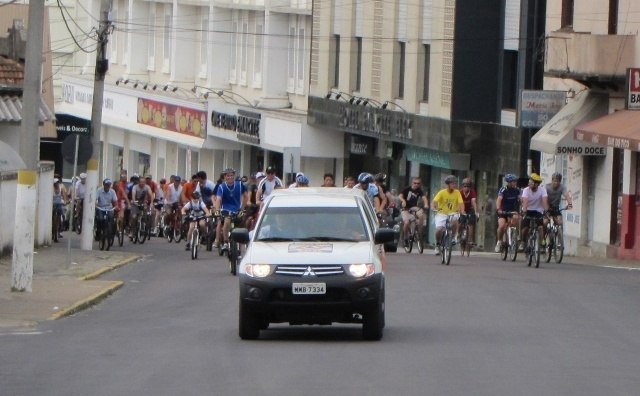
column 110, row 234
column 102, row 237
column 211, row 232
column 419, row 242
column 558, row 245
column 529, row 250
column 536, row 250
column 194, row 243
column 549, row 247
column 513, row 243
column 147, row 220
column 446, row 254
column 463, row 241
column 142, row 229
column 54, row 226
column 505, row 248
column 77, row 222
column 120, row 232
column 408, row 242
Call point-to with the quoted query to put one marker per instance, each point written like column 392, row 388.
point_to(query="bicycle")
column 56, row 223
column 120, row 230
column 142, row 224
column 104, row 227
column 465, row 244
column 211, row 233
column 234, row 252
column 533, row 241
column 446, row 241
column 195, row 236
column 555, row 239
column 510, row 240
column 415, row 232
column 77, row 216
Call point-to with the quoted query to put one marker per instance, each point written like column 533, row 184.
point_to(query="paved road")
column 478, row 327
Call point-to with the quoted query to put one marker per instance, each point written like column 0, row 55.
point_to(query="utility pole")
column 102, row 65
column 27, row 193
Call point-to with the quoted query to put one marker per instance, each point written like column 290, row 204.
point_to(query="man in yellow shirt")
column 447, row 201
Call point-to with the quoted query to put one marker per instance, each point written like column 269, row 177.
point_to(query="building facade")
column 427, row 88
column 589, row 47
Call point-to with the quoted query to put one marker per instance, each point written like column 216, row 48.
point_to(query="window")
column 510, row 80
column 125, row 39
column 204, row 44
column 291, row 68
column 244, row 45
column 300, row 58
column 166, row 50
column 257, row 56
column 426, row 64
column 151, row 39
column 234, row 58
column 566, row 19
column 400, row 70
column 113, row 40
column 336, row 60
column 296, row 50
column 358, row 63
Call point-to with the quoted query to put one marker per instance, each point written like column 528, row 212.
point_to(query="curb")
column 104, row 270
column 87, row 302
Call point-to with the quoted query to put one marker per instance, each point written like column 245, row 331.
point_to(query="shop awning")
column 556, row 136
column 620, row 130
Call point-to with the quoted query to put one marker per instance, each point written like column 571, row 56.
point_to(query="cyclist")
column 469, row 197
column 447, row 201
column 268, row 184
column 106, row 198
column 123, row 203
column 385, row 195
column 188, row 188
column 195, row 209
column 413, row 197
column 328, row 180
column 59, row 201
column 295, row 182
column 172, row 199
column 206, row 188
column 365, row 183
column 252, row 204
column 140, row 193
column 508, row 201
column 232, row 197
column 534, row 203
column 555, row 191
column 80, row 187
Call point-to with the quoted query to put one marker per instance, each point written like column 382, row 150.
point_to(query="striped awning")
column 11, row 110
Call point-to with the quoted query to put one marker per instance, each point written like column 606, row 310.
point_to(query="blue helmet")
column 302, row 179
column 509, row 177
column 365, row 177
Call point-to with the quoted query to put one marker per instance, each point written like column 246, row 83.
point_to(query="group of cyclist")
column 534, row 201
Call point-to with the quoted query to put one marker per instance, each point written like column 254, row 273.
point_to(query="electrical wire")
column 71, row 33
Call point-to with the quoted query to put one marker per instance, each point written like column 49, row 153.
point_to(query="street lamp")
column 387, row 102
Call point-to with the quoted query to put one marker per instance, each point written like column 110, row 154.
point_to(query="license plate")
column 309, row 288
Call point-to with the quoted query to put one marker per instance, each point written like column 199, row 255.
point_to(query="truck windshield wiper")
column 275, row 239
column 325, row 239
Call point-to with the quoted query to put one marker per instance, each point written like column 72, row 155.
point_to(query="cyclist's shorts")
column 554, row 211
column 441, row 219
column 536, row 215
column 406, row 215
column 470, row 218
column 505, row 215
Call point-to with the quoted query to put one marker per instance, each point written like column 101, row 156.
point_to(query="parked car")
column 316, row 256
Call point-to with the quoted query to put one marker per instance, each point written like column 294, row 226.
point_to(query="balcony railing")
column 589, row 56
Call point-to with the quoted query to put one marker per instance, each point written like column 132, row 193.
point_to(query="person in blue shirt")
column 507, row 206
column 365, row 183
column 232, row 197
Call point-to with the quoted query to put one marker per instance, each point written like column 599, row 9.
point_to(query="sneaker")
column 436, row 251
column 498, row 247
column 406, row 243
column 521, row 246
column 455, row 241
column 225, row 246
column 188, row 246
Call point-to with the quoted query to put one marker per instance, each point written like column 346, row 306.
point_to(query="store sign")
column 246, row 124
column 425, row 156
column 360, row 146
column 633, row 89
column 172, row 118
column 68, row 124
column 382, row 123
column 538, row 107
column 581, row 150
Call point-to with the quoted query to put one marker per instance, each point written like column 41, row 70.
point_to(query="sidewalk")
column 64, row 282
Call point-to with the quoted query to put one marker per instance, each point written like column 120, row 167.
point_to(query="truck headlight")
column 257, row 270
column 361, row 270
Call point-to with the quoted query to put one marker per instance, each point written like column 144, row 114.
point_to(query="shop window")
column 510, row 79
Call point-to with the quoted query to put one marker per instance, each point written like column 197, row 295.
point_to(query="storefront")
column 147, row 133
column 577, row 161
column 620, row 131
column 280, row 139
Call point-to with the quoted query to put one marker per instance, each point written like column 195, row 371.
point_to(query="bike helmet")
column 557, row 176
column 177, row 178
column 365, row 177
column 83, row 175
column 107, row 181
column 195, row 195
column 229, row 170
column 510, row 177
column 534, row 177
column 380, row 177
column 302, row 179
column 450, row 179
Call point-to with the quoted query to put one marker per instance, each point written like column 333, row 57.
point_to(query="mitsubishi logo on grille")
column 309, row 272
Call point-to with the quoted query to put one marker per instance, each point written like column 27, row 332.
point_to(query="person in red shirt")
column 469, row 197
column 123, row 196
column 189, row 188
